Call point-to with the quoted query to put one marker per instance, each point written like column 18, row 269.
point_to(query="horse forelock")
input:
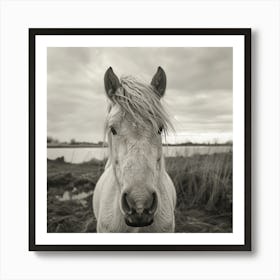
column 142, row 105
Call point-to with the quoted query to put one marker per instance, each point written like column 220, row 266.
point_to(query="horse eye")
column 160, row 130
column 113, row 131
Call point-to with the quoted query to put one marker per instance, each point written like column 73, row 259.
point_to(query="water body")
column 79, row 155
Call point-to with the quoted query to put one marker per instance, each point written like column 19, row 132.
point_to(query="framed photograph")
column 140, row 139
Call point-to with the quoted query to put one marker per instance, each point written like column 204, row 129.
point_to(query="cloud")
column 198, row 96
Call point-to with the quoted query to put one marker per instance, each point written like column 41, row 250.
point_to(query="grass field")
column 203, row 184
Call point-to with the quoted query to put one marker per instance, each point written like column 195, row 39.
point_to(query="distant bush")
column 51, row 140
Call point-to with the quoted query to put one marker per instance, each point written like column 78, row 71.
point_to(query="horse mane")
column 142, row 104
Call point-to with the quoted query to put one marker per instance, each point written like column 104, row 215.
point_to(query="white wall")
column 17, row 262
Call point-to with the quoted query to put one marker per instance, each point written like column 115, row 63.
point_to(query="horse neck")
column 108, row 163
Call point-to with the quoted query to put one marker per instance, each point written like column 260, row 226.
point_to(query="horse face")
column 137, row 160
column 136, row 156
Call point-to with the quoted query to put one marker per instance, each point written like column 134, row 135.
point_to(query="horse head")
column 135, row 123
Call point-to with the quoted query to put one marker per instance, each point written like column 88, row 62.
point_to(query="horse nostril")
column 153, row 206
column 125, row 206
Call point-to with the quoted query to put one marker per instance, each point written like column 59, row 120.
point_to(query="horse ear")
column 159, row 81
column 111, row 82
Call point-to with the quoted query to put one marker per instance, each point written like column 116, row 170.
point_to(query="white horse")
column 135, row 193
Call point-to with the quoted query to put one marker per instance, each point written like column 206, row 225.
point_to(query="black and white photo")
column 140, row 133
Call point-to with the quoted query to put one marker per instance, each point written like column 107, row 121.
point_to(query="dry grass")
column 204, row 192
column 203, row 184
column 203, row 181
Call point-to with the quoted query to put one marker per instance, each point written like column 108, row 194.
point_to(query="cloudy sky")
column 198, row 96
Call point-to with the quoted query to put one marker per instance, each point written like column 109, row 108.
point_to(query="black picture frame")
column 246, row 32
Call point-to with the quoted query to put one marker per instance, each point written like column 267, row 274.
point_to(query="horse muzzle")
column 139, row 220
column 136, row 215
